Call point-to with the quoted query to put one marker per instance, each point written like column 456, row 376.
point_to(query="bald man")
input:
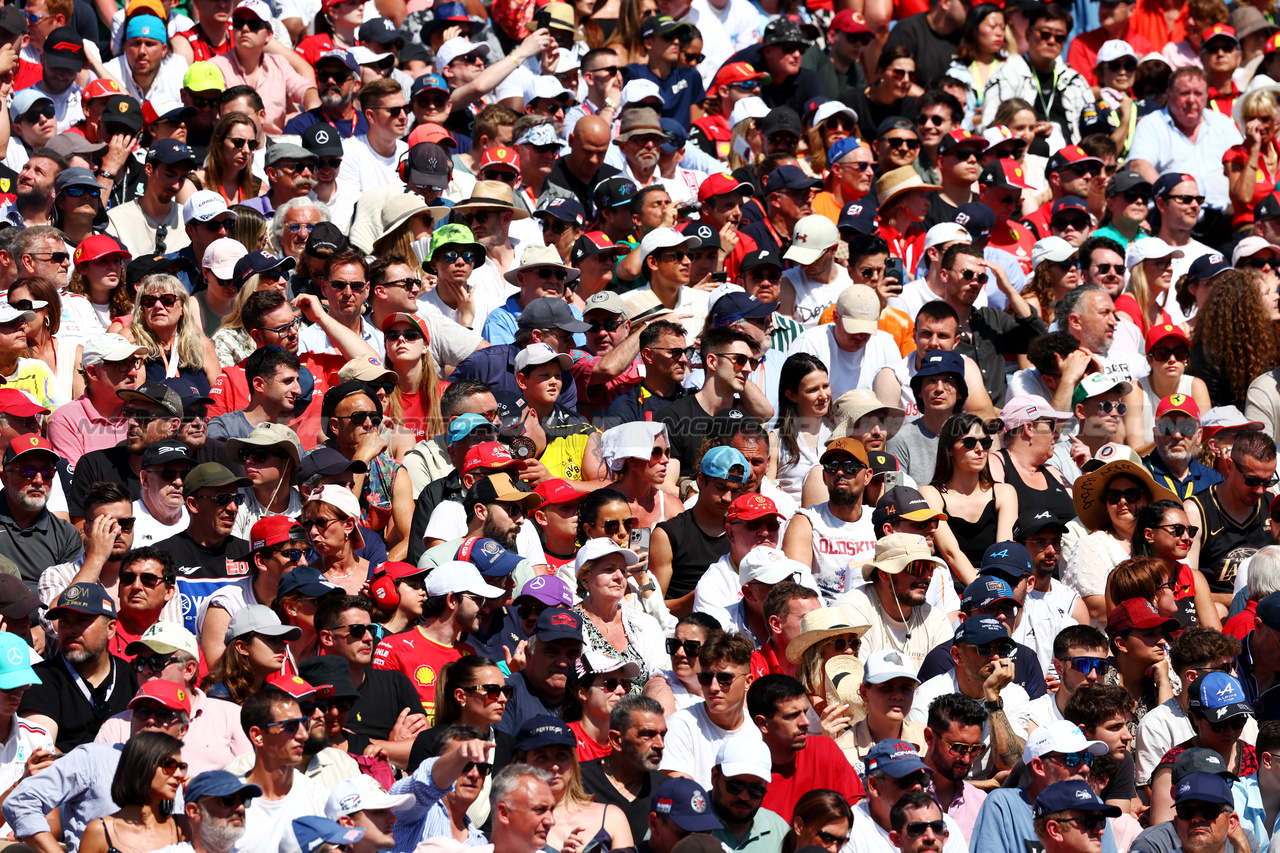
column 574, row 176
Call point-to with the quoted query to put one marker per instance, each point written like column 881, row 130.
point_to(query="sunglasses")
column 55, row 257
column 1073, row 759
column 1233, row 724
column 736, row 787
column 292, row 555
column 613, row 525
column 970, row 275
column 81, row 192
column 1107, row 407
column 847, row 467
column 492, row 691
column 995, row 647
column 1162, row 354
column 770, row 275
column 906, row 783
column 357, row 419
column 163, row 716
column 410, row 335
column 1255, row 482
column 35, row 114
column 898, row 142
column 745, row 86
column 606, row 326
column 168, row 300
column 691, row 647
column 254, row 25
column 259, row 457
column 1262, row 263
column 970, row 442
column 502, row 175
column 394, row 112
column 238, row 142
column 1180, row 530
column 451, row 256
column 153, row 664
column 356, row 630
column 30, row 472
column 291, row 725
column 1087, row 823
column 296, row 228
column 223, row 500
column 148, row 580
column 770, row 524
column 916, row 828
column 1207, row 811
column 554, row 226
column 724, row 679
column 739, row 360
column 608, row 685
column 659, row 453
column 1117, row 66
column 960, row 750
column 548, row 273
column 483, row 768
column 533, row 609
column 1185, row 428
column 935, row 120
column 1086, row 664
column 841, row 645
column 406, row 283
column 1050, row 35
column 1129, row 496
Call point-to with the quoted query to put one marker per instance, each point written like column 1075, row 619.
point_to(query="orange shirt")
column 824, row 204
column 421, row 658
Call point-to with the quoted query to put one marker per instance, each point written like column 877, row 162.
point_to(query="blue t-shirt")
column 680, row 91
column 1004, row 825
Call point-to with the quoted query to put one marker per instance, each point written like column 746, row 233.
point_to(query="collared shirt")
column 78, row 785
column 867, row 836
column 1159, row 141
column 1199, row 477
column 78, row 428
column 764, row 835
column 964, row 805
column 1266, row 703
column 278, row 84
column 1252, row 812
column 426, row 817
column 215, row 733
column 47, row 541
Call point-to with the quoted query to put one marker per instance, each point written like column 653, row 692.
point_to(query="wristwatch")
column 649, row 587
column 992, row 707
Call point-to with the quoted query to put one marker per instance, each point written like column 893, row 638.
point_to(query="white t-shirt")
column 740, row 20
column 693, row 741
column 79, row 318
column 147, row 529
column 1040, row 624
column 835, row 542
column 867, row 836
column 166, row 86
column 916, row 293
column 364, row 169
column 24, row 739
column 488, row 287
column 1060, row 596
column 814, row 297
column 1041, row 710
column 449, row 521
column 66, row 106
column 231, row 597
column 848, row 370
column 720, row 589
column 1013, row 696
column 268, row 824
column 929, row 627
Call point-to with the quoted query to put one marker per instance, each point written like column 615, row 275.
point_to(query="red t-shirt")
column 29, row 74
column 588, row 749
column 733, row 261
column 414, row 417
column 200, row 46
column 421, row 658
column 230, row 392
column 1038, row 220
column 1264, row 184
column 313, row 47
column 821, row 764
column 764, row 661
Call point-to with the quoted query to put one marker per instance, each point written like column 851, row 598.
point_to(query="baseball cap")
column 464, row 425
column 768, row 565
column 1205, row 788
column 1166, row 182
column 1217, row 696
column 599, row 663
column 110, row 347
column 208, row 475
column 165, row 638
column 979, row 630
column 272, row 530
column 64, row 48
column 166, row 450
column 558, row 623
column 603, row 546
column 168, row 109
column 885, row 665
column 895, row 757
column 551, row 312
column 858, row 309
column 1124, row 180
column 313, row 832
column 1032, row 521
column 218, row 783
column 1071, row 155
column 751, row 507
column 1071, row 795
column 14, row 401
column 15, row 662
column 360, row 792
column 307, row 580
column 166, row 694
column 16, row 601
column 328, row 462
column 1006, row 558
column 1197, row 759
column 29, row 443
column 489, row 454
column 535, row 355
column 1005, row 174
column 738, row 72
column 903, row 502
column 985, row 591
column 221, row 256
column 1150, row 248
column 1098, row 383
column 811, row 236
column 321, row 140
column 1052, row 249
column 91, row 599
column 1137, row 614
column 1066, row 204
column 1183, row 403
column 719, row 462
column 122, row 110
column 492, row 559
column 744, row 756
column 455, row 577
column 259, row 619
column 1026, row 408
column 1226, row 417
column 664, row 238
column 203, row 77
column 686, row 803
column 962, row 138
column 98, row 246
column 789, row 178
column 171, row 152
column 549, row 590
column 1062, row 737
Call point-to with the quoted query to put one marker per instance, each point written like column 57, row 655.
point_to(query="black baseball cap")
column 165, row 451
column 784, row 31
column 12, row 20
column 429, row 166
column 661, row 25
column 123, row 110
column 154, row 392
column 613, row 192
column 780, row 119
column 64, row 48
column 328, row 462
column 1032, row 521
column 322, row 140
column 1125, row 180
column 326, row 239
column 760, row 258
column 704, row 232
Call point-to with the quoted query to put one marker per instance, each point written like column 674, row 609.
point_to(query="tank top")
column 973, row 537
column 792, row 472
column 834, row 542
column 692, row 552
column 1221, row 537
column 1055, row 498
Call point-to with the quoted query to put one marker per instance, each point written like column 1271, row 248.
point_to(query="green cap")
column 210, row 474
column 456, row 235
column 204, row 77
column 1098, row 383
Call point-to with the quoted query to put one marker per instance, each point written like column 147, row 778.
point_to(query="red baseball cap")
column 275, row 530
column 431, row 132
column 751, row 507
column 291, row 684
column 97, row 247
column 558, row 492
column 1069, row 155
column 1006, row 174
column 1178, row 403
column 1137, row 614
column 165, row 693
column 850, row 22
column 1219, row 31
column 397, row 570
column 15, row 402
column 491, row 455
column 1161, row 331
column 721, row 183
column 737, row 72
column 103, row 87
column 1272, row 44
column 29, row 443
column 411, row 319
column 500, row 157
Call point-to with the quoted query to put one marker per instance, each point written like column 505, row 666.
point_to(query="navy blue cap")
column 789, row 178
column 564, row 209
column 306, row 580
column 940, row 361
column 255, row 263
column 329, row 462
column 1269, row 611
column 895, row 757
column 677, row 135
column 985, row 591
column 733, row 307
column 1072, row 795
column 558, row 623
column 171, row 152
column 488, row 556
column 345, row 57
column 976, row 218
column 1166, row 182
column 1217, row 696
column 858, row 216
column 1207, row 266
column 218, row 783
column 90, row 599
column 1069, row 202
column 543, row 730
column 978, row 630
column 383, row 31
column 707, row 236
column 686, row 803
column 314, row 831
column 189, row 394
column 1203, row 788
column 1007, row 557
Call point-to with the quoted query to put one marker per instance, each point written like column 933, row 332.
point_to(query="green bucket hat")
column 455, row 235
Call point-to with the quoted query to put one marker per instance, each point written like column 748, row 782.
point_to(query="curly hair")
column 1041, row 288
column 1235, row 330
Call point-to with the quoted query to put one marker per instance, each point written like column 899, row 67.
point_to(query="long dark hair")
column 142, row 755
column 956, row 428
column 794, row 370
column 589, row 509
column 460, row 673
column 817, row 808
column 1150, row 516
column 967, row 50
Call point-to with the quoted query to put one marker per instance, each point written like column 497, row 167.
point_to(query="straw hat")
column 400, row 209
column 851, row 406
column 541, row 256
column 819, row 625
column 486, row 195
column 844, row 678
column 895, row 182
column 1088, row 490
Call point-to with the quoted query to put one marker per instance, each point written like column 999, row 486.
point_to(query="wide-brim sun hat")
column 897, row 182
column 819, row 625
column 1088, row 491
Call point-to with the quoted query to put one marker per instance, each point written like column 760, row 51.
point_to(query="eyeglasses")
column 451, row 256
column 1085, row 664
column 724, row 679
column 613, row 525
column 960, row 750
column 355, row 630
column 1162, row 354
column 847, row 467
column 492, row 691
column 148, row 580
column 168, row 300
column 735, row 788
column 1180, row 530
column 971, row 275
column 691, row 647
column 1187, row 199
column 1129, row 496
column 254, row 25
column 409, row 335
column 1255, row 482
column 291, row 725
column 223, row 499
column 1050, row 35
column 153, row 664
column 238, row 142
column 916, row 828
column 1073, row 759
column 30, row 472
column 282, row 330
column 357, row 419
column 739, row 360
column 1185, row 428
column 1263, row 263
column 897, row 142
column 81, row 192
column 1190, row 811
column 970, row 442
column 1087, row 823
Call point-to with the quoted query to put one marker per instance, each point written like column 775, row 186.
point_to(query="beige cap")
column 897, row 551
column 812, row 236
column 858, row 310
column 365, row 370
column 607, row 300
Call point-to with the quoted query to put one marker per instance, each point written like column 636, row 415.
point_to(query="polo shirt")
column 1199, row 476
column 680, row 90
column 46, row 542
column 1004, row 825
column 523, row 704
column 763, row 836
column 24, row 739
column 1158, row 141
column 79, row 428
column 60, row 695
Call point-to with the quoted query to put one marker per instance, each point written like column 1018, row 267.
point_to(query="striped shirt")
column 426, row 817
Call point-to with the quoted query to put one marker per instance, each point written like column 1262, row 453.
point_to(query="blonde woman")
column 414, row 404
column 1251, row 166
column 165, row 325
column 256, row 271
column 825, row 633
column 1150, row 263
column 228, row 170
column 405, row 219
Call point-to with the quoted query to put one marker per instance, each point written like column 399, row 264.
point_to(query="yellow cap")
column 202, row 76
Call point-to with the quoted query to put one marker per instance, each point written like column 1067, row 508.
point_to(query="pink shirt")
column 214, row 738
column 78, row 428
column 964, row 808
column 278, row 84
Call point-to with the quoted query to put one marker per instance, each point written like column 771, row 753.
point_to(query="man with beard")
column 662, row 350
column 493, row 486
column 778, row 706
column 1177, row 434
column 894, row 770
column 372, row 157
column 953, row 742
column 826, row 535
column 152, row 224
column 214, row 803
column 362, row 803
column 628, row 776
column 1040, row 532
column 206, row 550
column 555, row 643
column 738, row 784
column 338, row 78
column 914, row 821
column 290, row 170
column 34, row 202
column 31, row 536
column 85, row 683
column 452, row 608
column 1088, row 312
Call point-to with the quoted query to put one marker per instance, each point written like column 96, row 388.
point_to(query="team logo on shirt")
column 425, row 675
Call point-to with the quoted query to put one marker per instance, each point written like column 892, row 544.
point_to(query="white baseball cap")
column 456, row 576
column 9, row 314
column 1053, row 249
column 599, row 663
column 547, row 86
column 453, row 48
column 946, row 232
column 743, row 756
column 257, row 7
column 1061, row 736
column 666, row 238
column 363, row 56
column 768, row 566
column 166, row 638
column 858, row 310
column 1246, row 248
column 752, row 107
column 203, row 206
column 636, row 91
column 110, row 347
column 832, row 108
column 357, row 793
column 603, row 546
column 221, row 256
column 1149, row 248
column 812, row 236
column 1113, row 49
column 536, row 354
column 886, row 665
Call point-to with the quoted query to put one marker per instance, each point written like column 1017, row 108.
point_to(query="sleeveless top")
column 792, row 472
column 834, row 542
column 973, row 537
column 692, row 552
column 1055, row 498
column 1150, row 401
column 1222, row 536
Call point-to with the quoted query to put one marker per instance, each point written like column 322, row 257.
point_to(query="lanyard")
column 1035, row 78
column 100, row 711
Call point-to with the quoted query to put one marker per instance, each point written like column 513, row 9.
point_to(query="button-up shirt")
column 78, row 785
column 964, row 806
column 426, row 817
column 278, row 84
column 1159, row 141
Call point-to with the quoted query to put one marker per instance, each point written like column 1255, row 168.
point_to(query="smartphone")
column 893, row 272
column 891, row 480
column 720, row 277
column 640, row 538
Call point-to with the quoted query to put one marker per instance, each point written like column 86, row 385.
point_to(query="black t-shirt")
column 424, row 746
column 384, row 693
column 102, row 466
column 932, row 51
column 638, row 403
column 793, row 92
column 581, row 190
column 871, row 113
column 229, row 561
column 59, row 697
column 940, row 210
column 687, row 425
column 637, row 811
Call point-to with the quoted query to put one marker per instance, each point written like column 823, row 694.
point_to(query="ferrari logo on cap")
column 1177, row 399
column 182, row 695
column 35, row 442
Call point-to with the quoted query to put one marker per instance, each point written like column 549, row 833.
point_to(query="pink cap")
column 221, row 256
column 1026, row 408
